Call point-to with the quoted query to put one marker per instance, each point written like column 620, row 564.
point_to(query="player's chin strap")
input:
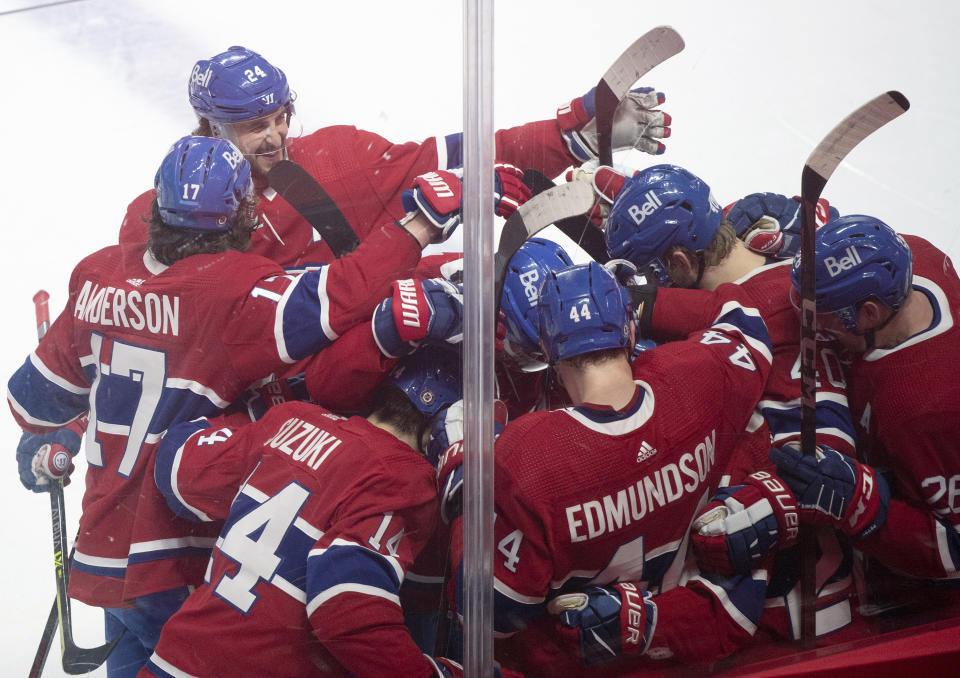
column 870, row 335
column 701, row 265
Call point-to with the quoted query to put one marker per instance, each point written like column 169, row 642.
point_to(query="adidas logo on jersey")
column 640, row 212
column 836, row 265
column 136, row 282
column 646, row 451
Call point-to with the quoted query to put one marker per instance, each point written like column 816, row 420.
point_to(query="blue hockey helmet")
column 430, row 377
column 582, row 308
column 857, row 257
column 201, row 183
column 659, row 207
column 237, row 85
column 526, row 271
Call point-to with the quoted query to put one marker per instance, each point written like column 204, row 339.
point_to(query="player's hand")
column 744, row 524
column 418, row 311
column 438, row 195
column 606, row 622
column 636, row 124
column 445, row 452
column 606, row 183
column 45, row 458
column 834, row 489
column 769, row 223
column 509, row 191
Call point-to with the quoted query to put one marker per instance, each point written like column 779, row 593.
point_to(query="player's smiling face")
column 262, row 139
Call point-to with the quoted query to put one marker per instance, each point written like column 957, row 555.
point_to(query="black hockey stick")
column 540, row 211
column 310, row 199
column 818, row 169
column 76, row 660
column 46, row 638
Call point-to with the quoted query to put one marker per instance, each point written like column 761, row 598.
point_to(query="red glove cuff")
column 572, row 115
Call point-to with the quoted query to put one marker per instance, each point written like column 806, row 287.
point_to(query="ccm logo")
column 836, row 265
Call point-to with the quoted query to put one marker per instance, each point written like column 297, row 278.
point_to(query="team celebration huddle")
column 711, row 440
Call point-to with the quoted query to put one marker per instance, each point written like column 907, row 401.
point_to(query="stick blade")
column 540, row 211
column 650, row 49
column 853, row 129
column 79, row 660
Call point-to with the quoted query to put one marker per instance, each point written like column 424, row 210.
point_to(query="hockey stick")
column 76, row 660
column 533, row 216
column 46, row 638
column 818, row 169
column 649, row 50
column 311, row 200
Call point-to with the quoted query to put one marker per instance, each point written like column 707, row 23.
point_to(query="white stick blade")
column 554, row 204
column 853, row 129
column 651, row 48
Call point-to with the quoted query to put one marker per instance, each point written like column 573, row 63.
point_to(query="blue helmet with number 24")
column 857, row 257
column 659, row 207
column 237, row 85
column 582, row 308
column 201, row 184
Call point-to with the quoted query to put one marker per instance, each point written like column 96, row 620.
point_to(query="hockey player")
column 176, row 330
column 239, row 95
column 894, row 302
column 323, row 516
column 598, row 497
column 667, row 217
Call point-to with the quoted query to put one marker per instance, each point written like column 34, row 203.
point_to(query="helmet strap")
column 701, row 265
column 870, row 335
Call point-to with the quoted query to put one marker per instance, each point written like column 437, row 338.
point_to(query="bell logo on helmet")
column 836, row 265
column 233, row 157
column 201, row 79
column 529, row 281
column 640, row 212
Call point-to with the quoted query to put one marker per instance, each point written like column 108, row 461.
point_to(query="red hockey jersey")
column 323, row 517
column 365, row 174
column 906, row 403
column 588, row 495
column 142, row 346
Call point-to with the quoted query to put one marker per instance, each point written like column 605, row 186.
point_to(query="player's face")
column 261, row 140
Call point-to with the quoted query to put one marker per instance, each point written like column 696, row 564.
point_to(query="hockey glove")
column 47, row 457
column 606, row 622
column 445, row 453
column 509, row 191
column 636, row 124
column 769, row 223
column 606, row 183
column 419, row 310
column 834, row 489
column 743, row 524
column 438, row 195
